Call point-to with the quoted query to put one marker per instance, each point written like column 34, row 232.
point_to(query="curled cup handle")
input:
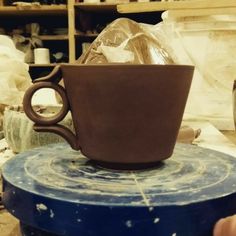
column 50, row 124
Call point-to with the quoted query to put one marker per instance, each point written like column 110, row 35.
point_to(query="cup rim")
column 128, row 65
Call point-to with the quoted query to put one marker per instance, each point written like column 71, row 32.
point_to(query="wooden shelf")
column 201, row 12
column 96, row 7
column 53, row 37
column 84, row 35
column 34, row 10
column 43, row 65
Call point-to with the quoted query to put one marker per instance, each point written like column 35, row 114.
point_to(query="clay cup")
column 124, row 115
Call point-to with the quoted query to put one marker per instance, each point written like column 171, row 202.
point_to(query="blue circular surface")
column 57, row 189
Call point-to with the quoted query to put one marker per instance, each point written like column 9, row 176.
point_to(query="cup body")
column 41, row 56
column 127, row 113
column 234, row 103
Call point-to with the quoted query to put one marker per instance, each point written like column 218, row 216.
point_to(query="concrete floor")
column 9, row 225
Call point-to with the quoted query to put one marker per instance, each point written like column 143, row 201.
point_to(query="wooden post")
column 71, row 31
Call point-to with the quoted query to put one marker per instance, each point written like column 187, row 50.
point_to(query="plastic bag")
column 14, row 76
column 127, row 41
column 8, row 49
column 209, row 43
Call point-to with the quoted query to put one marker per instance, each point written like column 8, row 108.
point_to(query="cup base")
column 127, row 166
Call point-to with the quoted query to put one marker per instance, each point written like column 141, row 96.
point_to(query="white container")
column 41, row 56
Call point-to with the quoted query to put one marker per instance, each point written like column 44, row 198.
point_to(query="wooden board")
column 202, row 12
column 96, row 7
column 34, row 10
column 176, row 5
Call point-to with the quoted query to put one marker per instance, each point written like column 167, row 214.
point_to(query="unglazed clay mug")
column 124, row 115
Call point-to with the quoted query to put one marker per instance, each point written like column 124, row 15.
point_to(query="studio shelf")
column 34, row 10
column 96, row 7
column 53, row 37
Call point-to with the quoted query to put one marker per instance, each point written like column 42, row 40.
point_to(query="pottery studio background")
column 36, row 38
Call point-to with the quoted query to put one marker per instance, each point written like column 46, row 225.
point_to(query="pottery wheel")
column 57, row 189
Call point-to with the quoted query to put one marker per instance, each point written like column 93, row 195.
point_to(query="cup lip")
column 127, row 65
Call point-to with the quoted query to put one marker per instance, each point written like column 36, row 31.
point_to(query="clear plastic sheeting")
column 209, row 43
column 126, row 41
column 14, row 75
column 19, row 132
